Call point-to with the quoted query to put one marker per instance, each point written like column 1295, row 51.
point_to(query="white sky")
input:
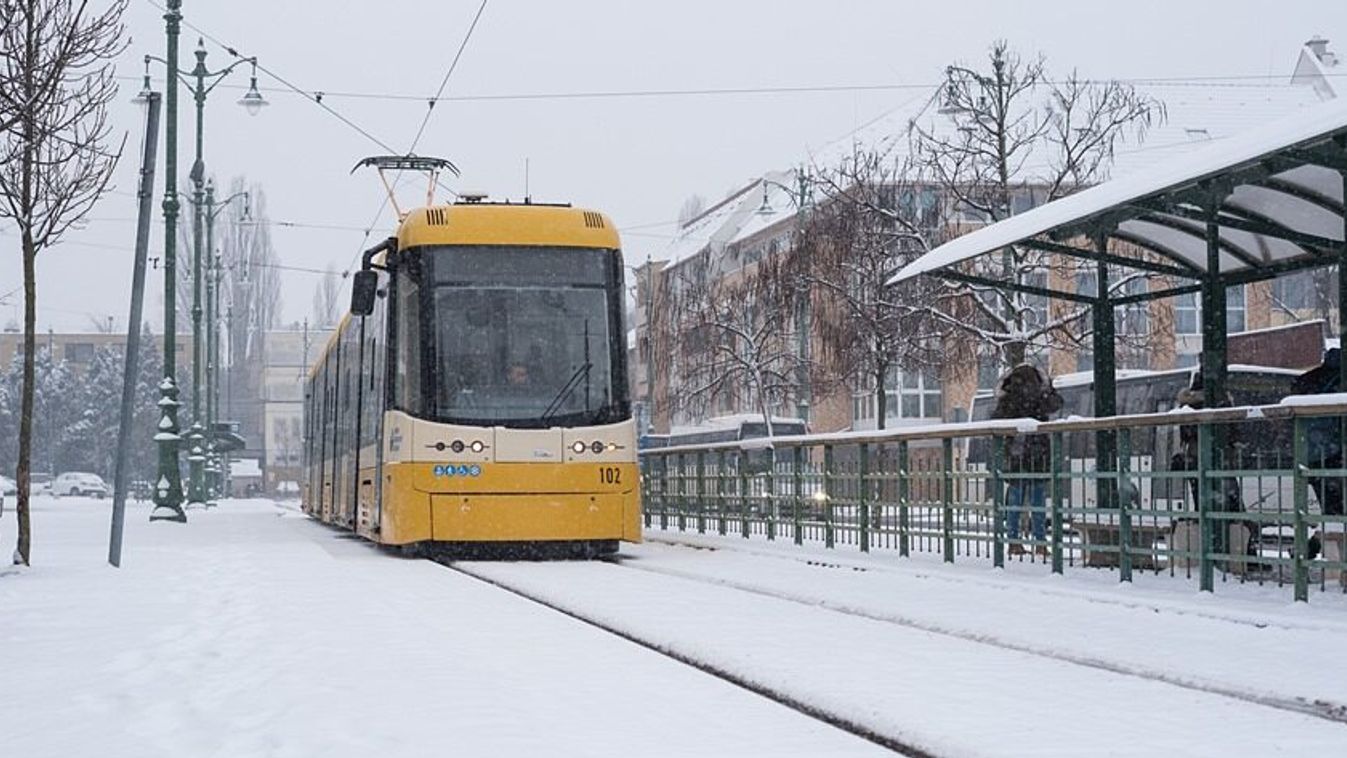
column 636, row 158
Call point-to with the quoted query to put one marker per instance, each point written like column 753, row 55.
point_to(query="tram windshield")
column 524, row 337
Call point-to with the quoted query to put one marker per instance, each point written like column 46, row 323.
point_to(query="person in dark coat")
column 1324, row 443
column 1026, row 392
column 1325, row 434
column 1231, row 499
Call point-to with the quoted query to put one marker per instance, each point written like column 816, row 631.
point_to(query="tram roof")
column 507, row 224
column 1282, row 209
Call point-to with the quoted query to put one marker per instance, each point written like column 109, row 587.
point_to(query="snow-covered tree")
column 873, row 219
column 1009, row 136
column 327, row 299
column 733, row 335
column 57, row 153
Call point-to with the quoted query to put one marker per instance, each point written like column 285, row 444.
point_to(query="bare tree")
column 58, row 153
column 733, row 334
column 691, row 208
column 327, row 299
column 1015, row 138
column 873, row 219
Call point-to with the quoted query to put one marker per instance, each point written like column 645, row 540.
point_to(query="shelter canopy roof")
column 1280, row 193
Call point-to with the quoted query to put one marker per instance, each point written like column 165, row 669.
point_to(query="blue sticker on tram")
column 459, row 470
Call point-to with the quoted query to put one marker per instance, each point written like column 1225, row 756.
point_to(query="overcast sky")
column 636, row 158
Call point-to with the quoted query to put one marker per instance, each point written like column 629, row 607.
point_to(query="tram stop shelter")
column 1246, row 208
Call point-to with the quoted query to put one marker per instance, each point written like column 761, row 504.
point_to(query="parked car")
column 79, row 483
column 39, row 483
column 8, row 487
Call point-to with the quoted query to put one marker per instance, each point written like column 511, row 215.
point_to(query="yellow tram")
column 478, row 391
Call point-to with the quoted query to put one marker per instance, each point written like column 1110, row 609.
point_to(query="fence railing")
column 1251, row 494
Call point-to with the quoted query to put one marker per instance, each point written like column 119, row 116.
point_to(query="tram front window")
column 515, row 344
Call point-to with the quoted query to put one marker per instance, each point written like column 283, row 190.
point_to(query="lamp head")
column 252, row 100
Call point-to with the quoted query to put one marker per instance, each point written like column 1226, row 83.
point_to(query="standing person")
column 1026, row 392
column 1324, row 439
column 1231, row 496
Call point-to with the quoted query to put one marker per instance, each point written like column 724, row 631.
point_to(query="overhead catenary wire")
column 1235, row 80
column 430, row 110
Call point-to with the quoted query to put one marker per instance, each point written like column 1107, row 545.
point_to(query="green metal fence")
column 1241, row 494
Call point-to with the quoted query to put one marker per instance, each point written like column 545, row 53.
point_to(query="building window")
column 908, row 394
column 79, row 352
column 1188, row 312
column 1132, row 319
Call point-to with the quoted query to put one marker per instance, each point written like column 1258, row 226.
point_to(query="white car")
column 79, row 483
column 8, row 487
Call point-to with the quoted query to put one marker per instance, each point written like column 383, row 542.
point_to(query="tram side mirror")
column 364, row 288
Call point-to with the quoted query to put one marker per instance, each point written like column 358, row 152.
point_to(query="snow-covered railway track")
column 1328, row 711
column 796, row 704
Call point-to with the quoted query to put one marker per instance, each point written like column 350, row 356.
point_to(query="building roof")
column 1285, row 207
column 1195, row 114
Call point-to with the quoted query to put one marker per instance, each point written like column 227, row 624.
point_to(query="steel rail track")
column 800, row 706
column 1326, row 710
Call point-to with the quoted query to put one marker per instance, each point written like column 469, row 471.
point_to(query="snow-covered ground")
column 254, row 631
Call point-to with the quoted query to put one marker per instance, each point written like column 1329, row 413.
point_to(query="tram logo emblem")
column 459, row 470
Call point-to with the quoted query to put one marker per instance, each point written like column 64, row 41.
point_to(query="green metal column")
column 168, row 487
column 998, row 502
column 863, row 499
column 829, row 537
column 947, row 491
column 1058, row 454
column 212, row 458
column 1124, row 507
column 797, row 462
column 701, row 492
column 1214, row 366
column 1342, row 269
column 196, row 435
column 771, row 495
column 1205, row 490
column 721, row 470
column 903, row 537
column 1300, row 500
column 1105, row 380
column 744, row 494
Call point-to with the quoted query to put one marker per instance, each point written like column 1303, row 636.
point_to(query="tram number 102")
column 610, row 475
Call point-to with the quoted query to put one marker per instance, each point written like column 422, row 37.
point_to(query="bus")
column 477, row 393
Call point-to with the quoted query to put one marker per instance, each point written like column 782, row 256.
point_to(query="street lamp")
column 214, row 479
column 168, row 490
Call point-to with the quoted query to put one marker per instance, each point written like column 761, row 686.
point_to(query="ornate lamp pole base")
column 168, row 490
column 196, row 461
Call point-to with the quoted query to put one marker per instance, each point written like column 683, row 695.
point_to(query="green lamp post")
column 213, row 466
column 168, row 495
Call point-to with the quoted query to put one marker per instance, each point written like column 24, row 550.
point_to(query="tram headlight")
column 478, row 446
column 578, row 447
column 597, row 447
column 457, row 446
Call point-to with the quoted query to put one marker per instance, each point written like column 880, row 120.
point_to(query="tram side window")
column 350, row 386
column 407, row 373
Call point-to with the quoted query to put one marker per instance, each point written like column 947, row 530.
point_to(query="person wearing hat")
column 1026, row 392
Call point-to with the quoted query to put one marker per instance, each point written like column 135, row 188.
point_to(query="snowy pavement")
column 252, row 631
column 255, row 631
column 942, row 694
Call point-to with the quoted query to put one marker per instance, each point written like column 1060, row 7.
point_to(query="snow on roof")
column 1316, row 66
column 1182, row 238
column 1212, row 112
column 245, row 467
